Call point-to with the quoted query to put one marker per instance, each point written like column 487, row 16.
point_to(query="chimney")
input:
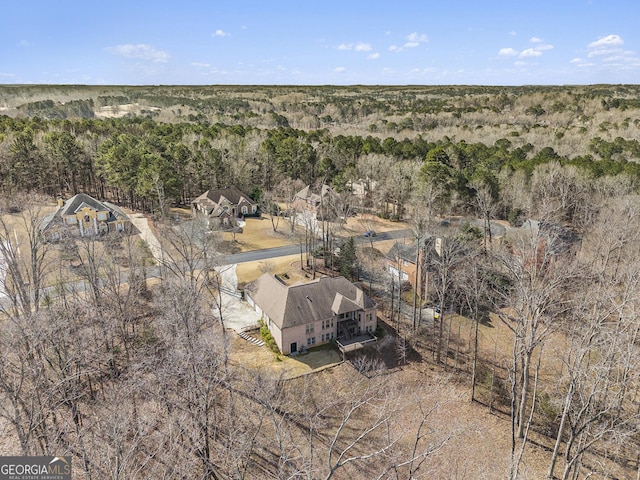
column 60, row 201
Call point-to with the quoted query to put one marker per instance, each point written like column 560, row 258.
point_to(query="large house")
column 224, row 206
column 306, row 314
column 85, row 216
column 316, row 202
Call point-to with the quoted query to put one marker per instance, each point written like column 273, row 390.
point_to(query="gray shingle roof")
column 212, row 198
column 78, row 202
column 289, row 306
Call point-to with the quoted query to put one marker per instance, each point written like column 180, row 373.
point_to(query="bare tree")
column 24, row 253
column 539, row 270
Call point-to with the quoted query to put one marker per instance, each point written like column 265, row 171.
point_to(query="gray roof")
column 77, row 203
column 80, row 201
column 299, row 304
column 403, row 252
column 315, row 194
column 212, row 198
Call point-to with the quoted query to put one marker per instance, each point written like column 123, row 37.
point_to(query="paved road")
column 264, row 254
column 267, row 253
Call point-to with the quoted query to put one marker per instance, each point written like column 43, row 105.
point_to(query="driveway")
column 142, row 224
column 236, row 313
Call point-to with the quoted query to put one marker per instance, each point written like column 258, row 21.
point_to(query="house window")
column 309, row 328
column 245, row 210
column 369, row 317
column 87, row 218
column 71, row 220
column 369, row 329
column 327, row 336
column 311, row 341
column 327, row 324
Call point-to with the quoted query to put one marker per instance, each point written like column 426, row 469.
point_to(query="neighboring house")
column 224, row 206
column 412, row 264
column 316, row 202
column 403, row 261
column 85, row 216
column 307, row 314
column 363, row 189
column 557, row 239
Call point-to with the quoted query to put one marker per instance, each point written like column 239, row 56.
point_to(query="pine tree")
column 348, row 260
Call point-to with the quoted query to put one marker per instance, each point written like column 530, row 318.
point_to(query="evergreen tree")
column 348, row 260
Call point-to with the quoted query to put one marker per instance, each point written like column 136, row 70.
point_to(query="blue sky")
column 306, row 42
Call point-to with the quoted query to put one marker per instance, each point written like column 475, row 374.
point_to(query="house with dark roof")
column 307, row 314
column 83, row 215
column 224, row 206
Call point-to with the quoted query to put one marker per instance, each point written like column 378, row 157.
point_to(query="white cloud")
column 507, row 52
column 140, row 51
column 220, row 33
column 609, row 50
column 540, row 45
column 373, row 56
column 535, row 51
column 200, row 65
column 413, row 40
column 543, row 46
column 513, row 33
column 416, row 37
column 358, row 47
column 339, row 69
column 530, row 52
column 608, row 41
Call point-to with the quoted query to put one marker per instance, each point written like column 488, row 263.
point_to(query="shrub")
column 268, row 338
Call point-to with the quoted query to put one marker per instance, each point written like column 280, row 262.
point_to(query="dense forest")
column 138, row 144
column 137, row 382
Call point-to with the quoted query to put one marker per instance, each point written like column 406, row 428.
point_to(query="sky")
column 330, row 42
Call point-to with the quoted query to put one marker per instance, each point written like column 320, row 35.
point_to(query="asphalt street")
column 275, row 252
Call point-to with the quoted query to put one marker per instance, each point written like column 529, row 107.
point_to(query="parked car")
column 369, row 233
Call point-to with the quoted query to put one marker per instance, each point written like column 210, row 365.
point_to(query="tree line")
column 145, row 164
